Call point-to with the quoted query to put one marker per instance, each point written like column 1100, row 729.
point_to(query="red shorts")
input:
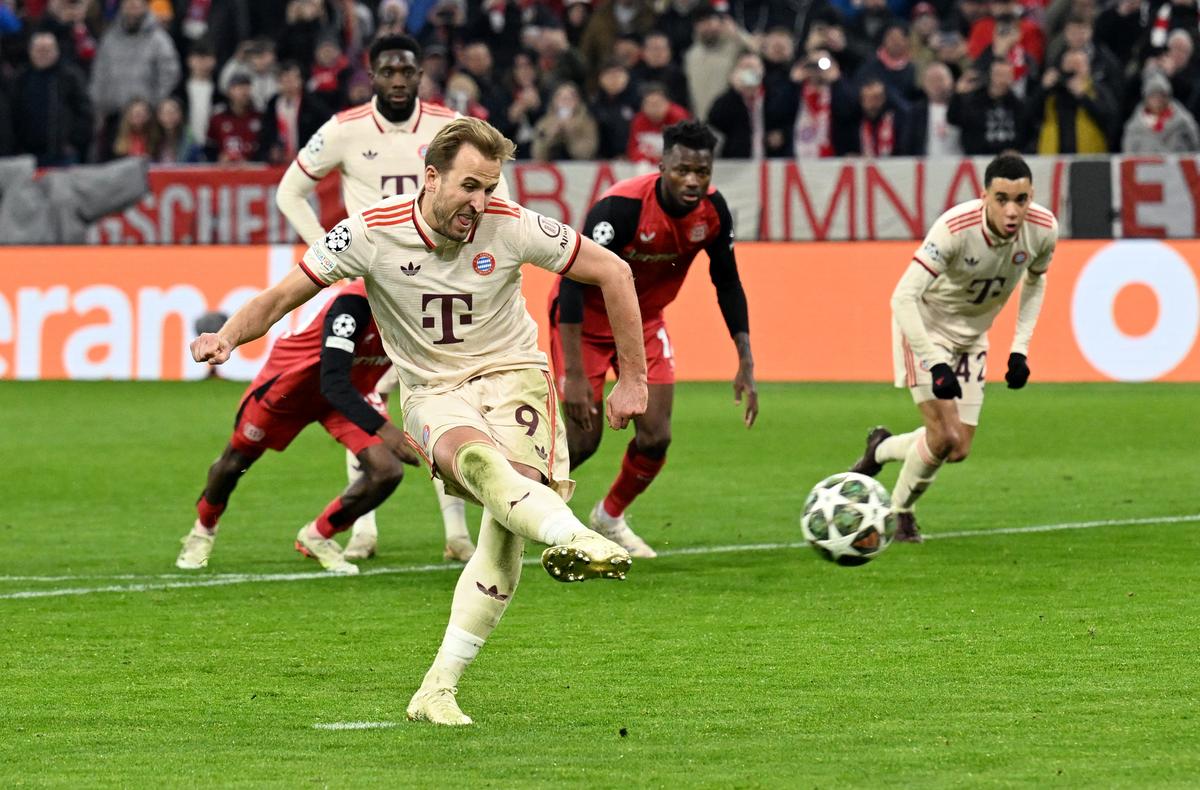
column 600, row 354
column 260, row 425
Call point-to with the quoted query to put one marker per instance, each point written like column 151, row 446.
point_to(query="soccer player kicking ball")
column 942, row 308
column 326, row 372
column 442, row 271
column 378, row 148
column 657, row 223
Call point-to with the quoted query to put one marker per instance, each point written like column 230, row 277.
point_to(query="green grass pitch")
column 1040, row 659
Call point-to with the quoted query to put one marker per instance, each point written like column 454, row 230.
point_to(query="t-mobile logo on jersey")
column 447, row 315
column 399, row 185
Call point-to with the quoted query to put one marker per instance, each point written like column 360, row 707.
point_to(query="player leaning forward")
column 442, row 271
column 942, row 308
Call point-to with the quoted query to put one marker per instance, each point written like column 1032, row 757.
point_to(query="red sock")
column 324, row 524
column 208, row 513
column 638, row 470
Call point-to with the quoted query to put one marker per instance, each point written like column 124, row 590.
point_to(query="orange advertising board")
column 1125, row 310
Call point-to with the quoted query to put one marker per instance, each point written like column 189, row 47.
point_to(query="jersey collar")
column 431, row 237
column 385, row 126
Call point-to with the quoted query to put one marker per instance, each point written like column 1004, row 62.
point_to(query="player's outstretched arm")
column 291, row 196
column 255, row 318
column 743, row 380
column 597, row 266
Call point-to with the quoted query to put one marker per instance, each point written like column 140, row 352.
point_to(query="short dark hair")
column 387, row 43
column 689, row 134
column 1008, row 166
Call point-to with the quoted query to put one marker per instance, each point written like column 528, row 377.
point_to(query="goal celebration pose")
column 378, row 149
column 961, row 276
column 442, row 271
column 657, row 223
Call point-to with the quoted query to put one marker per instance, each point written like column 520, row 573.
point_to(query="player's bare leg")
column 382, row 471
column 223, row 477
column 517, row 497
column 644, row 459
column 483, row 592
column 945, row 438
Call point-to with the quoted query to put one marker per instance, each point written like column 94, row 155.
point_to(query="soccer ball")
column 848, row 518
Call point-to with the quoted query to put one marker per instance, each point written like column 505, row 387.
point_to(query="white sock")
column 895, row 448
column 458, row 650
column 917, row 474
column 364, row 524
column 454, row 513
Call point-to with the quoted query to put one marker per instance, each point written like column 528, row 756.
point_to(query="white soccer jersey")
column 377, row 158
column 974, row 271
column 447, row 311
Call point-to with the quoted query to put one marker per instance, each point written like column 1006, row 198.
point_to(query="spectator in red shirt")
column 646, row 128
column 1012, row 34
column 233, row 132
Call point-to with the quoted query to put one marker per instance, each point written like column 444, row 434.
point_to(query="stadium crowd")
column 250, row 80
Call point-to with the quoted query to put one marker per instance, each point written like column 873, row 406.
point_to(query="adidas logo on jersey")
column 370, row 154
column 971, row 261
column 411, row 269
column 541, row 451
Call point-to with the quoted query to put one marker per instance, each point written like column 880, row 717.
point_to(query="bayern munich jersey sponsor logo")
column 698, row 232
column 484, row 263
column 550, row 227
column 338, row 240
column 603, row 233
column 1020, row 257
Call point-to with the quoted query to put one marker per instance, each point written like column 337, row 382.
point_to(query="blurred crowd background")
column 181, row 81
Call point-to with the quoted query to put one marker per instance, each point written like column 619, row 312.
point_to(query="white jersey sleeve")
column 939, row 248
column 544, row 242
column 322, row 154
column 347, row 250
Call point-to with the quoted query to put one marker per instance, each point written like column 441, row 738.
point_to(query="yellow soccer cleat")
column 324, row 551
column 589, row 556
column 197, row 547
column 437, row 705
column 617, row 530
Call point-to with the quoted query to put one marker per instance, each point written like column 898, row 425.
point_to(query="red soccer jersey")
column 631, row 221
column 293, row 368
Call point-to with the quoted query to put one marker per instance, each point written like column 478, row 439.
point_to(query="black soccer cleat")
column 867, row 465
column 907, row 530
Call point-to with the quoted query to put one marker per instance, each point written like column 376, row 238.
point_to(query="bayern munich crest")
column 338, row 239
column 1020, row 258
column 484, row 263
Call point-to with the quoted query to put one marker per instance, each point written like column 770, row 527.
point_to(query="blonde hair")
column 469, row 131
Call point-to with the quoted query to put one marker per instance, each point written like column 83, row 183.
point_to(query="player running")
column 657, row 223
column 442, row 269
column 942, row 308
column 379, row 150
column 326, row 372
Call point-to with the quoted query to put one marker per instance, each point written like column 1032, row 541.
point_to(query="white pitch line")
column 353, row 725
column 249, row 578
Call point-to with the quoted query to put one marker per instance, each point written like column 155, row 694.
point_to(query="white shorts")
column 517, row 409
column 970, row 364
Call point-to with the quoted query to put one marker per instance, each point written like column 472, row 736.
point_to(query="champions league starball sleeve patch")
column 603, row 233
column 338, row 240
